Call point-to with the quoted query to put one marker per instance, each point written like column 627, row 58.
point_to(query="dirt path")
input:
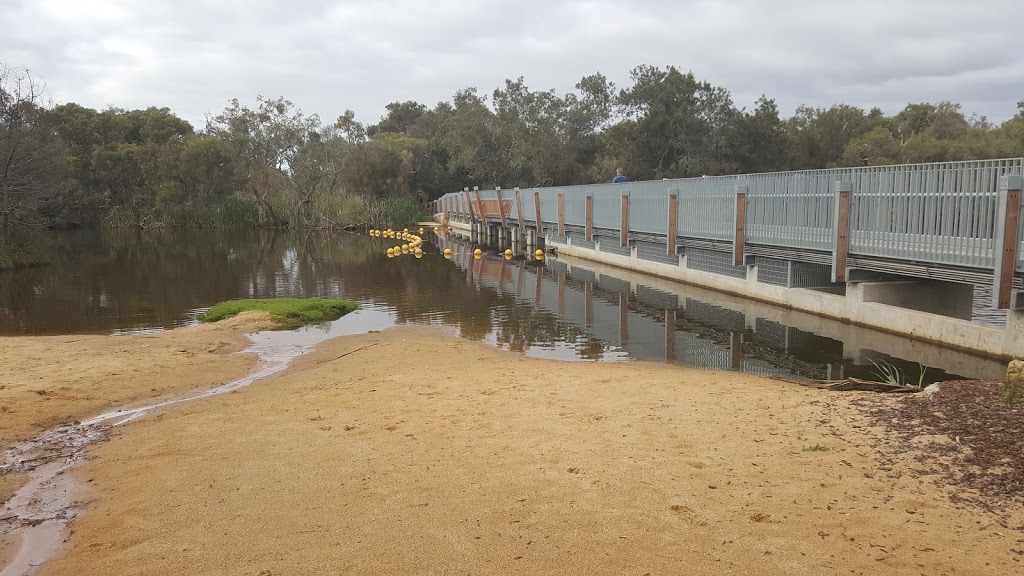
column 405, row 452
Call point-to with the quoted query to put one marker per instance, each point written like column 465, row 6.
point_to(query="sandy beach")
column 410, row 452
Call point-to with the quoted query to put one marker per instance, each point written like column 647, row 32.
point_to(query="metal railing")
column 939, row 213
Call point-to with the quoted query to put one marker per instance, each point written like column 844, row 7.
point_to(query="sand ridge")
column 410, row 452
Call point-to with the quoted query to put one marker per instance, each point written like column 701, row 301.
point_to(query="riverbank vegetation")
column 288, row 313
column 268, row 164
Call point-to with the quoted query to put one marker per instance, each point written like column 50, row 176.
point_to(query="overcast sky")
column 329, row 55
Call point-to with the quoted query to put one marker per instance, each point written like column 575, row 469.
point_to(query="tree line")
column 271, row 165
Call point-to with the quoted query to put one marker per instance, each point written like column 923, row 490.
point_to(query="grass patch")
column 290, row 313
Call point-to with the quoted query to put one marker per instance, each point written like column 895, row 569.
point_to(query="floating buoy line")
column 413, row 244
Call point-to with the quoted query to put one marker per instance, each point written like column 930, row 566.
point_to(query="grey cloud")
column 193, row 56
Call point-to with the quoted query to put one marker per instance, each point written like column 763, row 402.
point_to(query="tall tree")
column 679, row 124
column 264, row 141
column 32, row 158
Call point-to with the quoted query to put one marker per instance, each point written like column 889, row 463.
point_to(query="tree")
column 264, row 142
column 760, row 141
column 32, row 158
column 679, row 125
column 401, row 117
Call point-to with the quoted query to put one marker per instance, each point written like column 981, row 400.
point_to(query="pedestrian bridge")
column 917, row 237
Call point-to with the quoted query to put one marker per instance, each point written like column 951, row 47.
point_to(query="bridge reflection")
column 628, row 315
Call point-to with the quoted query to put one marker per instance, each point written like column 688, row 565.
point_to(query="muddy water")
column 131, row 281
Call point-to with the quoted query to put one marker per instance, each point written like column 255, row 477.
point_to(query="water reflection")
column 557, row 308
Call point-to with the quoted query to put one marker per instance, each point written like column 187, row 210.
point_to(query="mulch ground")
column 986, row 454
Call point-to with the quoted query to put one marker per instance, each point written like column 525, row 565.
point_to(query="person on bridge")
column 619, row 177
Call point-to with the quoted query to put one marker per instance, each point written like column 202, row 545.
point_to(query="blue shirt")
column 618, row 179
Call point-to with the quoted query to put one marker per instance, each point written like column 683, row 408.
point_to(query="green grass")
column 289, row 313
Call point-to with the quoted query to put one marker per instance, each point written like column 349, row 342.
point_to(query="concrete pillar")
column 1014, row 345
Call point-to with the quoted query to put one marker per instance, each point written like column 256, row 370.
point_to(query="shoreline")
column 413, row 451
column 49, row 381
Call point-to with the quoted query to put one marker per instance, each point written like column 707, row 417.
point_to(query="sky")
column 327, row 56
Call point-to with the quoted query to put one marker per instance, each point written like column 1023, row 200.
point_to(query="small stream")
column 36, row 518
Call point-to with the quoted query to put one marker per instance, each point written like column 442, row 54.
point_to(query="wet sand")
column 50, row 380
column 407, row 452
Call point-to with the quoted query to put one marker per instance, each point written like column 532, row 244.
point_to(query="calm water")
column 131, row 281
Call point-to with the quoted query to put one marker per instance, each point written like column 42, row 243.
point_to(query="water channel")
column 128, row 281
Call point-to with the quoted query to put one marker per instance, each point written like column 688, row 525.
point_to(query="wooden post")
column 1007, row 241
column 588, row 310
column 673, row 220
column 736, row 349
column 561, row 215
column 624, row 225
column 519, row 211
column 540, row 287
column 841, row 230
column 590, row 217
column 540, row 223
column 623, row 318
column 469, row 205
column 670, row 336
column 561, row 293
column 740, row 220
column 480, row 207
column 501, row 208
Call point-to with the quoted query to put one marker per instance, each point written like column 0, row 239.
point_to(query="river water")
column 121, row 282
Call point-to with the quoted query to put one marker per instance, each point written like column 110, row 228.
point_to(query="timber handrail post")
column 841, row 230
column 1007, row 242
column 480, row 207
column 561, row 215
column 590, row 217
column 624, row 224
column 501, row 208
column 469, row 204
column 740, row 221
column 673, row 220
column 540, row 222
column 519, row 211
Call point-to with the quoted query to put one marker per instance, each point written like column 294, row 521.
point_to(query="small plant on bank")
column 289, row 313
column 888, row 373
column 892, row 375
column 816, row 448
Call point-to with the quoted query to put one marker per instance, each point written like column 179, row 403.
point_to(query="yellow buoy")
column 540, row 253
column 508, row 256
column 418, row 252
column 405, row 248
column 477, row 252
column 421, row 230
column 398, row 250
column 540, row 257
column 447, row 252
column 508, row 252
column 406, row 231
column 478, row 256
column 371, row 232
column 391, row 251
column 435, row 229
